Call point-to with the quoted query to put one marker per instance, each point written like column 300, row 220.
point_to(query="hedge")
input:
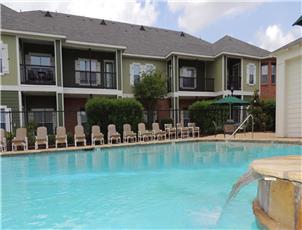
column 104, row 111
column 204, row 112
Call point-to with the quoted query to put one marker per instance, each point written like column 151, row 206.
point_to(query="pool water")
column 182, row 185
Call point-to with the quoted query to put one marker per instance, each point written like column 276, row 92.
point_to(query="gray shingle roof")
column 229, row 44
column 151, row 41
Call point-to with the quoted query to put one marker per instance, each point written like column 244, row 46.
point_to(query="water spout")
column 244, row 180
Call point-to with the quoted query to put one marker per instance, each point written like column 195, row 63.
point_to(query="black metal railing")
column 93, row 79
column 234, row 82
column 196, row 84
column 37, row 74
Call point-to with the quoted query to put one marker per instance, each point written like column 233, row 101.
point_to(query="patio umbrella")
column 230, row 100
column 298, row 22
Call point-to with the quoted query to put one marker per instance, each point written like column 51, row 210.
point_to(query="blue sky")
column 267, row 24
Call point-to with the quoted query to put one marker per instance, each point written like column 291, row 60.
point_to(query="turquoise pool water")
column 180, row 185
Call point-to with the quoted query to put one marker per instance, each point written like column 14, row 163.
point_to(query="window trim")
column 113, row 68
column 273, row 64
column 248, row 74
column 7, row 111
column 195, row 77
column 41, row 55
column 267, row 76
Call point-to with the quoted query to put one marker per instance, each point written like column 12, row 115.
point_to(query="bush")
column 204, row 112
column 164, row 121
column 104, row 111
column 269, row 108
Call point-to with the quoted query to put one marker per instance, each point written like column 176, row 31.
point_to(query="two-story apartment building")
column 52, row 62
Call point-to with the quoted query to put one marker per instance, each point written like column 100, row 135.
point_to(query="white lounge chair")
column 193, row 129
column 144, row 134
column 182, row 131
column 96, row 135
column 128, row 134
column 157, row 132
column 61, row 137
column 20, row 139
column 41, row 138
column 3, row 144
column 113, row 135
column 171, row 131
column 79, row 135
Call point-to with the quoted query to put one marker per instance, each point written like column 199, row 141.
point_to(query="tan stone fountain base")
column 279, row 200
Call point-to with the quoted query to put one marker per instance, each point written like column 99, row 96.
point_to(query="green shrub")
column 104, row 111
column 269, row 108
column 204, row 112
column 164, row 121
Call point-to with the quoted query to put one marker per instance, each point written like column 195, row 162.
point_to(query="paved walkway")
column 256, row 137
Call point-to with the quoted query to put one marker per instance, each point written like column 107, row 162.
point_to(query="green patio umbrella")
column 230, row 100
column 298, row 22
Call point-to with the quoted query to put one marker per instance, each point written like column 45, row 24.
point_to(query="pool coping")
column 91, row 147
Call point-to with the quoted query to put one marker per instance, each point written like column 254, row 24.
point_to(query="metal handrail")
column 239, row 127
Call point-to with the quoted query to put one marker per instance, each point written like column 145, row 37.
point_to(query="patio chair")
column 3, row 144
column 157, row 132
column 128, row 134
column 170, row 130
column 182, row 131
column 61, row 137
column 229, row 129
column 96, row 135
column 217, row 128
column 41, row 138
column 79, row 135
column 20, row 139
column 113, row 134
column 193, row 129
column 144, row 134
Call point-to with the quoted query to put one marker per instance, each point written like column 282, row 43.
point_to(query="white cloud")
column 197, row 14
column 273, row 37
column 132, row 11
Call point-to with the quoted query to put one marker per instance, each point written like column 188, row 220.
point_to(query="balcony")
column 87, row 79
column 234, row 83
column 196, row 84
column 37, row 75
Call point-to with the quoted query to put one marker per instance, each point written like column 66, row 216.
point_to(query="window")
column 5, row 118
column 40, row 60
column 264, row 74
column 44, row 117
column 109, row 74
column 87, row 72
column 136, row 71
column 188, row 77
column 273, row 73
column 251, row 74
column 4, row 64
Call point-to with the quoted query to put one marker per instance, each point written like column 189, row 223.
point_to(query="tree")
column 148, row 90
column 256, row 109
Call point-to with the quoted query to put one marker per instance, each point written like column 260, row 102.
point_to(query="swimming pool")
column 182, row 185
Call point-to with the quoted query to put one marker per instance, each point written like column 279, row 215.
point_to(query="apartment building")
column 53, row 62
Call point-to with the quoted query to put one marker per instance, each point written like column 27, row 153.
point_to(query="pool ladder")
column 240, row 126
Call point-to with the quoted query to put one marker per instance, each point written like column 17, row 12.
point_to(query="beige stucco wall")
column 11, row 77
column 161, row 66
column 217, row 73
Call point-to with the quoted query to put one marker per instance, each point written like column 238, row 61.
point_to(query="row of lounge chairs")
column 97, row 137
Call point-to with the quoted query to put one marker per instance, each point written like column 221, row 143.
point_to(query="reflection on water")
column 149, row 157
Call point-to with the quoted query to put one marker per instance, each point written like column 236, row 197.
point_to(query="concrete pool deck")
column 260, row 137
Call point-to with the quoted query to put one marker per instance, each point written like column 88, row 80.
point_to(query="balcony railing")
column 37, row 74
column 234, row 82
column 93, row 79
column 196, row 84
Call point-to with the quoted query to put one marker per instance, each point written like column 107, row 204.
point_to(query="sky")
column 267, row 24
